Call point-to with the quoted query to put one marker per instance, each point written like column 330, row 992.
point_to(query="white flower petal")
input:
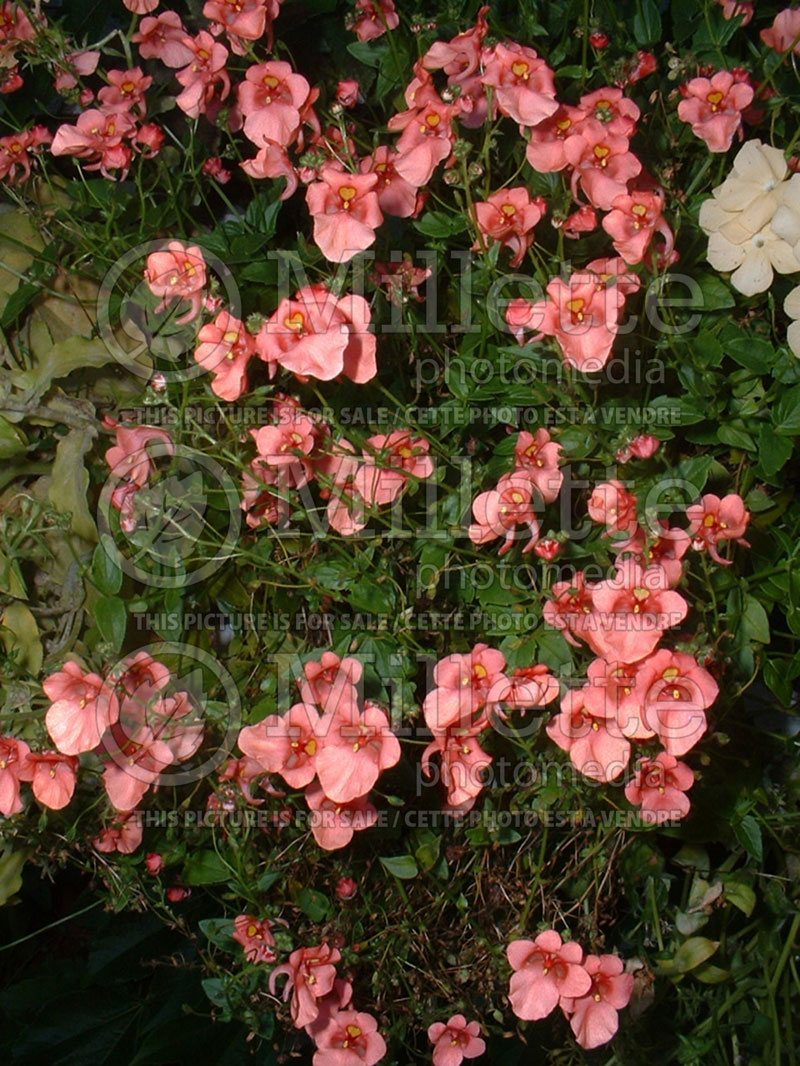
column 723, row 255
column 786, row 224
column 793, row 338
column 760, row 163
column 782, row 257
column 791, row 305
column 754, row 275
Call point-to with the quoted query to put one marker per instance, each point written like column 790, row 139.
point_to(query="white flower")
column 753, row 261
column 753, row 219
column 791, row 306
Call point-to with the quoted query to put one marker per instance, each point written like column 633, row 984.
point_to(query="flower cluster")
column 329, row 746
column 296, row 449
column 589, row 989
column 129, row 720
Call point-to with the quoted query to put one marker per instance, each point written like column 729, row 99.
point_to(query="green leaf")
column 755, row 621
column 215, row 990
column 314, row 904
column 773, row 451
column 11, row 863
column 104, row 572
column 647, row 23
column 736, row 437
column 402, row 866
column 205, row 868
column 373, row 55
column 17, row 302
column 748, row 832
column 20, row 634
column 69, row 482
column 111, row 617
column 440, row 224
column 786, row 412
column 716, row 295
column 751, row 352
column 741, row 896
column 220, row 932
column 691, row 954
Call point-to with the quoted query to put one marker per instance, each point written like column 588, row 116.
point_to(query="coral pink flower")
column 149, row 139
column 213, row 167
column 546, row 141
column 732, row 9
column 665, row 550
column 125, row 91
column 271, row 98
column 602, row 161
column 205, row 80
column 660, row 788
column 356, row 749
column 631, row 611
column 617, row 112
column 15, row 766
column 400, row 280
column 137, row 762
column 644, row 446
column 373, row 19
column 347, row 92
column 455, row 1041
column 123, row 836
column 141, row 7
column 271, row 161
column 593, row 1018
column 527, row 687
column 523, row 85
column 331, row 683
column 164, row 38
column 548, row 548
column 243, row 21
column 713, row 107
column 288, row 445
column 78, row 64
column 677, row 692
column 571, row 604
column 286, row 744
column 350, row 1038
column 177, row 272
column 617, row 691
column 509, row 217
column 54, row 778
column 225, row 349
column 633, row 222
column 263, row 496
column 82, row 708
column 463, row 764
column 545, row 969
column 129, row 457
column 346, row 889
column 17, row 151
column 462, row 688
column 334, row 823
column 714, row 520
column 154, row 863
column 612, row 505
column 498, row 513
column 394, row 458
column 396, row 196
column 318, row 335
column 426, row 140
column 581, row 314
column 255, row 936
column 97, row 136
column 595, row 743
column 645, row 65
column 311, row 973
column 537, row 457
column 346, row 212
column 584, row 220
column 784, row 33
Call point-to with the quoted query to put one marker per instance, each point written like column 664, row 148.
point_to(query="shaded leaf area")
column 105, row 988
